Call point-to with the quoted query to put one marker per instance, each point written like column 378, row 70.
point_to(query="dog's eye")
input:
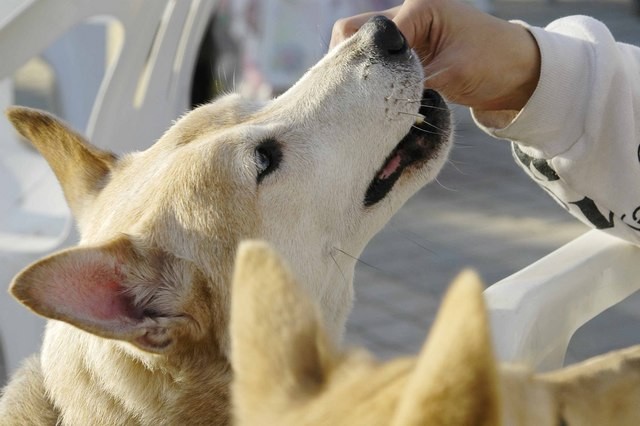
column 263, row 160
column 267, row 158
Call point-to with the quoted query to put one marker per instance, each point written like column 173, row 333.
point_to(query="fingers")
column 414, row 19
column 346, row 27
column 404, row 20
column 409, row 17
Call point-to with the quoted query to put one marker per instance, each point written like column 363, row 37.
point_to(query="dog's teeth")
column 420, row 119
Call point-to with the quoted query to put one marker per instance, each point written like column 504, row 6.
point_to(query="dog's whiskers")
column 444, row 186
column 456, row 167
column 442, row 131
column 407, row 100
column 428, row 131
column 421, row 120
column 434, row 107
column 417, row 115
column 344, row 278
column 435, row 74
column 359, row 260
column 424, row 59
column 408, row 234
column 415, row 101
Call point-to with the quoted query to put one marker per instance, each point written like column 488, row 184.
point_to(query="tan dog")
column 287, row 371
column 139, row 330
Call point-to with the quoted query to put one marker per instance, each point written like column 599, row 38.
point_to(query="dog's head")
column 316, row 171
column 288, row 372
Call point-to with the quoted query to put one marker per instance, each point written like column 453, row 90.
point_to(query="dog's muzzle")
column 425, row 137
column 420, row 145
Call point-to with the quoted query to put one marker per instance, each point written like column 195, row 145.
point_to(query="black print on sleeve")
column 541, row 165
column 541, row 171
column 635, row 216
column 591, row 212
column 586, row 205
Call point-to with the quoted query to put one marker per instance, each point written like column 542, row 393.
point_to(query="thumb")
column 346, row 27
column 414, row 21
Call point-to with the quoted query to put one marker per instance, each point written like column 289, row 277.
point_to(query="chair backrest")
column 148, row 53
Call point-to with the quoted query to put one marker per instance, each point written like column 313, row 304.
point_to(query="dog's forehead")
column 182, row 182
column 206, row 139
column 223, row 113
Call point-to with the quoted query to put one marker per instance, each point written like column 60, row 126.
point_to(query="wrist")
column 527, row 70
column 521, row 62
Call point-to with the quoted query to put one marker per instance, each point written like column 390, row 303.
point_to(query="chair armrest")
column 535, row 311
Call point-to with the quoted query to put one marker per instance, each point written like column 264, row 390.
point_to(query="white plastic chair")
column 150, row 51
column 535, row 312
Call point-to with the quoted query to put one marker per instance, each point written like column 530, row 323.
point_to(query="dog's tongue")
column 391, row 166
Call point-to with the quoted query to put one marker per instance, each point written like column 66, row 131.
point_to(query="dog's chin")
column 420, row 145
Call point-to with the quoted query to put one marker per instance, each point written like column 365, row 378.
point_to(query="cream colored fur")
column 28, row 393
column 287, row 371
column 139, row 309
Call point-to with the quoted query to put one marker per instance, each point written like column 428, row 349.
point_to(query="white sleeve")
column 579, row 134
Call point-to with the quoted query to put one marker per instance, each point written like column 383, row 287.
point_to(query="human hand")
column 470, row 57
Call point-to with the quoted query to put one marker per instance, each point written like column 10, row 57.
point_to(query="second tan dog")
column 138, row 330
column 288, row 372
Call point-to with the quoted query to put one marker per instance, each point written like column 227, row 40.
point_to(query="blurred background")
column 122, row 72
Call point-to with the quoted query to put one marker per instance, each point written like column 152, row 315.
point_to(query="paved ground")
column 485, row 213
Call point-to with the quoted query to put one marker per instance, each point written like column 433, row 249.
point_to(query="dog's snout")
column 387, row 37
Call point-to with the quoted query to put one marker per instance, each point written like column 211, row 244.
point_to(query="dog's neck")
column 122, row 386
column 336, row 305
column 328, row 278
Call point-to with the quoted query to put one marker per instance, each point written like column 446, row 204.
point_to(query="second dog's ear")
column 455, row 381
column 280, row 352
column 115, row 290
column 80, row 167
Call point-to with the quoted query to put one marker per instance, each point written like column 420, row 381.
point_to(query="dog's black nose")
column 387, row 37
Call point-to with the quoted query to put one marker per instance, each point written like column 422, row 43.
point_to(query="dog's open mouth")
column 416, row 147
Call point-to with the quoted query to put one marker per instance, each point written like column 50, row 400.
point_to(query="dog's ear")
column 115, row 290
column 455, row 380
column 80, row 167
column 280, row 351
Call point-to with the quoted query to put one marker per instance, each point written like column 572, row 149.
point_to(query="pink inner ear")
column 91, row 291
column 108, row 302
